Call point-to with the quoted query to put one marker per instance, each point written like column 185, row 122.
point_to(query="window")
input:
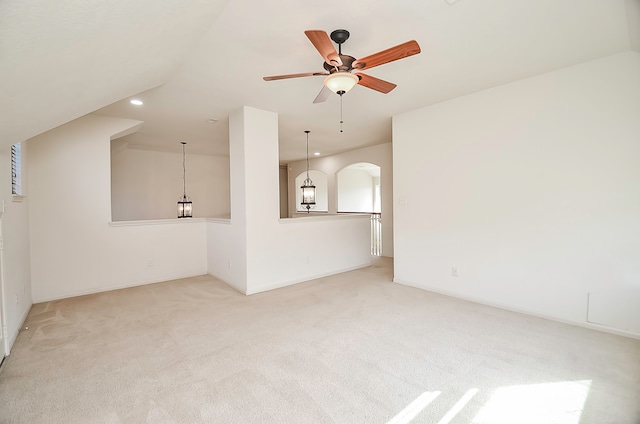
column 16, row 170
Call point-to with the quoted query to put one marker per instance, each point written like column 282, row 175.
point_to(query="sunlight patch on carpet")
column 553, row 403
column 458, row 406
column 414, row 408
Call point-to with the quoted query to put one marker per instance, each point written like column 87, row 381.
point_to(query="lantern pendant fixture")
column 308, row 189
column 185, row 206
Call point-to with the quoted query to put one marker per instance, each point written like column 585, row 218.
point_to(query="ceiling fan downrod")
column 339, row 36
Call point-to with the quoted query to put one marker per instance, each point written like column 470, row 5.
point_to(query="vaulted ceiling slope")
column 192, row 61
column 60, row 60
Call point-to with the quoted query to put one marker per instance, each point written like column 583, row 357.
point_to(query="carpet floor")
column 350, row 348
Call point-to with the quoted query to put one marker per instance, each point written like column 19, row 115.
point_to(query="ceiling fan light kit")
column 341, row 82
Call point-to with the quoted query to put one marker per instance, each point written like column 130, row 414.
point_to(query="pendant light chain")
column 185, row 205
column 308, row 189
column 184, row 172
column 307, row 154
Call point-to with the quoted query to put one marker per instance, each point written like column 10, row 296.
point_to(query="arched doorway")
column 358, row 187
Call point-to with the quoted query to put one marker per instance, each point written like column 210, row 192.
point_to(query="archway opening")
column 359, row 188
column 359, row 192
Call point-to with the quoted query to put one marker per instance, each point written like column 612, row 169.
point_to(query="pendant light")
column 185, row 206
column 308, row 189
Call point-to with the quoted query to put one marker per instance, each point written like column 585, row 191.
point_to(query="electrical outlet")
column 16, row 300
column 454, row 272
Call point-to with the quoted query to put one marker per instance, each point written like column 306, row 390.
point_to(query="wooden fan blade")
column 322, row 95
column 375, row 83
column 323, row 44
column 279, row 77
column 394, row 53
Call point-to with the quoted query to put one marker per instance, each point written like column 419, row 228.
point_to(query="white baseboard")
column 110, row 288
column 227, row 283
column 14, row 336
column 306, row 278
column 525, row 311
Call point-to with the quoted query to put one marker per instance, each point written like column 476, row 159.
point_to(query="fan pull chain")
column 341, row 121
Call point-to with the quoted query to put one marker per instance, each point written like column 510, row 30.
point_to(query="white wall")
column 530, row 190
column 293, row 250
column 227, row 241
column 226, row 252
column 74, row 249
column 14, row 230
column 277, row 252
column 146, row 184
column 380, row 155
column 274, row 252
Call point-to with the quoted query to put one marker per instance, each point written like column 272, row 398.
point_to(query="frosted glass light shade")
column 340, row 82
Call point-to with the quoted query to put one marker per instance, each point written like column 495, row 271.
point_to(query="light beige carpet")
column 351, row 348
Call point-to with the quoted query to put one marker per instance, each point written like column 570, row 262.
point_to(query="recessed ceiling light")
column 317, row 153
column 136, row 102
column 212, row 120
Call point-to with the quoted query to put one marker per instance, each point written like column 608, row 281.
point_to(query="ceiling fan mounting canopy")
column 339, row 36
column 337, row 63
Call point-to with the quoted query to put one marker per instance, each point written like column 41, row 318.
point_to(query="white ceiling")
column 206, row 58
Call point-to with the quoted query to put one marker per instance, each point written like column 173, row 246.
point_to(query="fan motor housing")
column 347, row 61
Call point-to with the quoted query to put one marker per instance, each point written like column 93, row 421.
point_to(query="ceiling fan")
column 338, row 67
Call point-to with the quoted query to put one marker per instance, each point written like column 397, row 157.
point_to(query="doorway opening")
column 358, row 187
